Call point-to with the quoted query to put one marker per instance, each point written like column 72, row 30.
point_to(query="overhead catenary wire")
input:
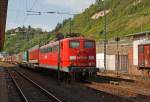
column 31, row 8
column 31, row 12
column 34, row 3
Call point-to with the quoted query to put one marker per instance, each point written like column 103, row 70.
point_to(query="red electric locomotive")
column 144, row 55
column 72, row 55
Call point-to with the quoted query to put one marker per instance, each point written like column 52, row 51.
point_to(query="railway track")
column 73, row 94
column 113, row 89
column 127, row 88
column 29, row 90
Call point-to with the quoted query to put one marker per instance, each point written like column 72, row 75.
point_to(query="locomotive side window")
column 55, row 48
column 88, row 44
column 49, row 49
column 44, row 50
column 74, row 44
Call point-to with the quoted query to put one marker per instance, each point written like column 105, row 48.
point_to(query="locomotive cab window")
column 88, row 44
column 74, row 44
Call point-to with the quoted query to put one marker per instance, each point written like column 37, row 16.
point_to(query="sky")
column 17, row 15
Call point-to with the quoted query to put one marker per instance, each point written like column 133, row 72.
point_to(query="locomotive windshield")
column 88, row 44
column 74, row 44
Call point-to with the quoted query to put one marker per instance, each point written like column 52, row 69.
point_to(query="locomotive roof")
column 33, row 48
column 57, row 42
column 50, row 44
column 72, row 38
column 145, row 42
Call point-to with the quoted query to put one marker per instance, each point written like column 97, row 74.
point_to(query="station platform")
column 3, row 86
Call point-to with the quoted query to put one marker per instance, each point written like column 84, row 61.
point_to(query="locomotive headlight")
column 91, row 57
column 72, row 58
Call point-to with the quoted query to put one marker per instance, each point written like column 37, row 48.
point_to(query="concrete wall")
column 110, row 61
column 111, row 47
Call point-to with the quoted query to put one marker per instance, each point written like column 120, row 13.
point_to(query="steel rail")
column 53, row 98
column 18, row 88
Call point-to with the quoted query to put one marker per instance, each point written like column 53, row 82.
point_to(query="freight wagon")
column 144, row 55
